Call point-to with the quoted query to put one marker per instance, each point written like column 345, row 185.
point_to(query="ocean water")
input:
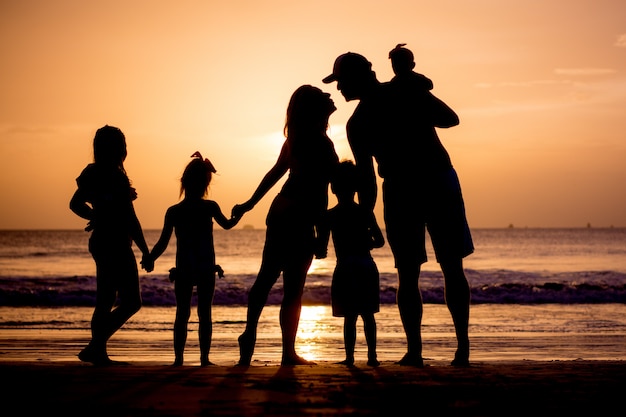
column 509, row 266
column 537, row 294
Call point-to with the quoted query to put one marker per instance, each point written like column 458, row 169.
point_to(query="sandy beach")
column 536, row 372
column 496, row 388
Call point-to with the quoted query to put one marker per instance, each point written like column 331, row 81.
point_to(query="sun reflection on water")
column 321, row 266
column 314, row 327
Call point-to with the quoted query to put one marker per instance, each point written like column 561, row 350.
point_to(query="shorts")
column 117, row 273
column 436, row 204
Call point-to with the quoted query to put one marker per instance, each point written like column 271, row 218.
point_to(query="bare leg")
column 410, row 304
column 206, row 290
column 349, row 338
column 294, row 277
column 106, row 319
column 256, row 301
column 183, row 293
column 457, row 294
column 96, row 351
column 117, row 277
column 129, row 295
column 369, row 327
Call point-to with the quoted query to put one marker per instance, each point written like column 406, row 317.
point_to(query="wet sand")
column 511, row 374
column 492, row 388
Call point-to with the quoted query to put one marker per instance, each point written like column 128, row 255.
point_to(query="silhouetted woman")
column 105, row 198
column 310, row 158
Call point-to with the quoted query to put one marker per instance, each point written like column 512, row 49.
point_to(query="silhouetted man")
column 395, row 125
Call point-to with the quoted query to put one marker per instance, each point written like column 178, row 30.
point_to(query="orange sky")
column 540, row 88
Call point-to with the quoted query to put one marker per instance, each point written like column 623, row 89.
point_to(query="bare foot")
column 461, row 358
column 95, row 357
column 411, row 360
column 347, row 362
column 460, row 363
column 373, row 362
column 296, row 360
column 246, row 348
column 206, row 362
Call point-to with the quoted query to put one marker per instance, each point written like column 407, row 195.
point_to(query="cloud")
column 621, row 41
column 584, row 71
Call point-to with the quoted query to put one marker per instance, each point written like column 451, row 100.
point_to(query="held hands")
column 147, row 262
column 239, row 210
column 321, row 249
column 220, row 271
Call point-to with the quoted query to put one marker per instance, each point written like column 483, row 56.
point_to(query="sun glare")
column 311, row 331
column 321, row 266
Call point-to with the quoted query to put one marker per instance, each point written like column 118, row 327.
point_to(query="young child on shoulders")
column 403, row 64
column 192, row 222
column 355, row 286
column 413, row 100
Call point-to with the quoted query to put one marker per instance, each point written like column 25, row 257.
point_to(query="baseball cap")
column 348, row 64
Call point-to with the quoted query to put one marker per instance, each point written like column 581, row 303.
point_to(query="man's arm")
column 367, row 189
column 440, row 113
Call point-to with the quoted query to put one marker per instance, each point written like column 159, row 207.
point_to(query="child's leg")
column 112, row 266
column 369, row 326
column 96, row 350
column 183, row 291
column 206, row 290
column 349, row 338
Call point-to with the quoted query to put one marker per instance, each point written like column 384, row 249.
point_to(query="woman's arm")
column 269, row 180
column 78, row 204
column 137, row 235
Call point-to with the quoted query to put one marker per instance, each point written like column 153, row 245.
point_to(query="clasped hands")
column 147, row 262
column 239, row 210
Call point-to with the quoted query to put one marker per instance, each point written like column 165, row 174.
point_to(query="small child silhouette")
column 192, row 221
column 403, row 64
column 355, row 285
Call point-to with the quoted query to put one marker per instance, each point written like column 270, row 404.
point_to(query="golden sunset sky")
column 539, row 86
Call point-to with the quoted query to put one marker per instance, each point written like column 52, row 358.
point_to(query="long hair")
column 307, row 112
column 109, row 147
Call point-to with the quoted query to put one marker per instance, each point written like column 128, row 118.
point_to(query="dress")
column 193, row 226
column 296, row 210
column 355, row 288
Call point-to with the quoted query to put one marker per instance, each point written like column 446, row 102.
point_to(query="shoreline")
column 516, row 333
column 486, row 388
column 540, row 360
